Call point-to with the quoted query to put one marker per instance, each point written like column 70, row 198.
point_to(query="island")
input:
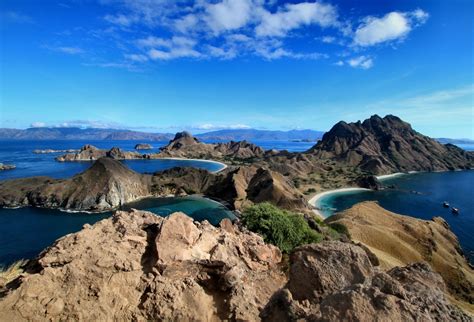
column 7, row 166
column 143, row 146
column 284, row 263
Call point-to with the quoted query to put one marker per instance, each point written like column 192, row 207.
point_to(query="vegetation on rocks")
column 282, row 228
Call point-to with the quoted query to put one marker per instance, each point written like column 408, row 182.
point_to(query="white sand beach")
column 314, row 200
column 388, row 176
column 201, row 160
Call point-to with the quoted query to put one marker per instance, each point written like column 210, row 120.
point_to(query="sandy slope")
column 399, row 240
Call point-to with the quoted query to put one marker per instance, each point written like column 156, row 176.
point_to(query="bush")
column 282, row 228
column 340, row 228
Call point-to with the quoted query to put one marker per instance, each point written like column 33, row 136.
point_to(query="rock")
column 138, row 266
column 369, row 182
column 386, row 145
column 334, row 281
column 143, row 146
column 91, row 153
column 7, row 166
column 407, row 240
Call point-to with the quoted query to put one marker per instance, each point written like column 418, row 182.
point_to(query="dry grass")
column 9, row 273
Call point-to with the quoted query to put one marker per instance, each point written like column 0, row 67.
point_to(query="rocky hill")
column 184, row 145
column 401, row 240
column 108, row 184
column 138, row 266
column 90, row 153
column 385, row 145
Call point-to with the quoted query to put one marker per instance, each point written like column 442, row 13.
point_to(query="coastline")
column 224, row 166
column 314, row 200
column 392, row 175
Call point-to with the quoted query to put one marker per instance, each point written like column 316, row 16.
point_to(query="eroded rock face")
column 335, row 281
column 138, row 266
column 386, row 145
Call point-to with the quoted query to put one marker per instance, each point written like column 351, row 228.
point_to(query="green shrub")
column 282, row 228
column 340, row 228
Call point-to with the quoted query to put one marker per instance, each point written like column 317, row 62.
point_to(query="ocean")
column 421, row 195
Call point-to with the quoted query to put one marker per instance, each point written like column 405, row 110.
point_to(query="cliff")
column 385, row 145
column 400, row 240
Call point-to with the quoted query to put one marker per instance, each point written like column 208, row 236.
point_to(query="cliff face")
column 385, row 145
column 401, row 240
column 138, row 266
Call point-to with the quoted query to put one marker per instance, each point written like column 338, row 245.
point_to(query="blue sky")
column 163, row 66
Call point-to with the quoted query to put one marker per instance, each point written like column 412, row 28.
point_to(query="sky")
column 164, row 66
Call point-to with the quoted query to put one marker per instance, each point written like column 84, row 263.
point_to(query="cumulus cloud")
column 228, row 14
column 294, row 16
column 392, row 26
column 214, row 127
column 363, row 62
column 80, row 124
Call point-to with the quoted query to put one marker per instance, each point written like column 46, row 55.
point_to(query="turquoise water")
column 421, row 195
column 25, row 232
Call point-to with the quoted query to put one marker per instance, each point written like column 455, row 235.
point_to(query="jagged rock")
column 138, row 266
column 386, row 145
column 335, row 281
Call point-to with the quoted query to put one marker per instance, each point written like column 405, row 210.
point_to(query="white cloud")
column 121, row 20
column 294, row 16
column 363, row 62
column 392, row 26
column 66, row 50
column 166, row 49
column 38, row 124
column 137, row 57
column 228, row 14
column 214, row 127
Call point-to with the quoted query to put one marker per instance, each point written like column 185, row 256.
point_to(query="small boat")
column 446, row 204
column 455, row 210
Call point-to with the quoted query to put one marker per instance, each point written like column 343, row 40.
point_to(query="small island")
column 143, row 146
column 7, row 166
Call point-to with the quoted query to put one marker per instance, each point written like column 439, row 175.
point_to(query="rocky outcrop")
column 184, row 145
column 368, row 182
column 7, row 166
column 400, row 240
column 143, row 146
column 138, row 266
column 107, row 184
column 335, row 281
column 91, row 153
column 385, row 145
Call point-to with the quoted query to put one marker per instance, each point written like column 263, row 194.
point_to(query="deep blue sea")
column 421, row 195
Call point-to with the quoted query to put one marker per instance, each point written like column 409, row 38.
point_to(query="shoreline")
column 392, row 175
column 314, row 200
column 224, row 166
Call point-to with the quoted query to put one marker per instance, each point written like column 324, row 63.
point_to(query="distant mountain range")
column 261, row 135
column 454, row 141
column 68, row 133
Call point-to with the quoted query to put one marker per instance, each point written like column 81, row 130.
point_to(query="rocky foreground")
column 138, row 266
